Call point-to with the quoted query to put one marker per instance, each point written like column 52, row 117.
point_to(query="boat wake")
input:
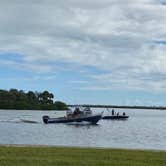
column 28, row 121
column 18, row 121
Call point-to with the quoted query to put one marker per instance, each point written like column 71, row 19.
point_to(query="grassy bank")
column 53, row 156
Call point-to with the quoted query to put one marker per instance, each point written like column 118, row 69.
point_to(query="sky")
column 85, row 51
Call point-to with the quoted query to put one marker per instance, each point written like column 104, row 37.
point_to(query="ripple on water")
column 145, row 129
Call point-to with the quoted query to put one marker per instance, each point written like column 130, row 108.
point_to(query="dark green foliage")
column 60, row 105
column 18, row 99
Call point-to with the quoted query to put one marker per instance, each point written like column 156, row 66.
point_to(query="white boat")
column 77, row 115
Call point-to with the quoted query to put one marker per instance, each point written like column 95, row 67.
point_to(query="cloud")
column 114, row 35
column 32, row 67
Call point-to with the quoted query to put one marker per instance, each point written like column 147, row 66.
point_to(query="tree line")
column 18, row 99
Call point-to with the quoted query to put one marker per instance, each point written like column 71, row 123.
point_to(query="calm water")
column 145, row 129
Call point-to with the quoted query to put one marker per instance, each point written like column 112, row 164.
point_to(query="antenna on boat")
column 108, row 109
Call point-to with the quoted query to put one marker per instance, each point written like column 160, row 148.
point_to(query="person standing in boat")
column 76, row 112
column 113, row 112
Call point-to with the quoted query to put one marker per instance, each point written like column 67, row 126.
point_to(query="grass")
column 56, row 156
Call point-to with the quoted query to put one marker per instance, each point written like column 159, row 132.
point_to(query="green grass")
column 56, row 156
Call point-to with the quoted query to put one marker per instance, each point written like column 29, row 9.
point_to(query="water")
column 145, row 129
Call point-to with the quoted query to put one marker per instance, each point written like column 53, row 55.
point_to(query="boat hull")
column 90, row 119
column 120, row 117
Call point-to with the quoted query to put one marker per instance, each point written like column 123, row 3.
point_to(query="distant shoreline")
column 119, row 106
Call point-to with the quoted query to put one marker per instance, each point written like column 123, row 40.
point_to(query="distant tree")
column 18, row 99
column 46, row 97
column 14, row 91
column 22, row 96
column 60, row 105
column 3, row 95
column 4, row 98
column 31, row 96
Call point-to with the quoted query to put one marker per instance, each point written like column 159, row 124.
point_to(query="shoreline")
column 163, row 108
column 80, row 147
column 119, row 106
column 29, row 110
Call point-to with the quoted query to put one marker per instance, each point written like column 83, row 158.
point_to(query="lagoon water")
column 145, row 129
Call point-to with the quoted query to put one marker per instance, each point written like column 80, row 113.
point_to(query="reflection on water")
column 145, row 129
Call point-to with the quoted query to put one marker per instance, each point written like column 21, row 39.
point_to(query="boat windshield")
column 77, row 111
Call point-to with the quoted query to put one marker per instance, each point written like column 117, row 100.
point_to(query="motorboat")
column 77, row 115
column 116, row 116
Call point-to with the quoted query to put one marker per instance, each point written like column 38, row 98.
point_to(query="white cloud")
column 115, row 35
column 27, row 66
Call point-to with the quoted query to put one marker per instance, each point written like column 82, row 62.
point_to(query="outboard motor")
column 45, row 119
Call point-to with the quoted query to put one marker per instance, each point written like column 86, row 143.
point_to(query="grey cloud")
column 115, row 35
